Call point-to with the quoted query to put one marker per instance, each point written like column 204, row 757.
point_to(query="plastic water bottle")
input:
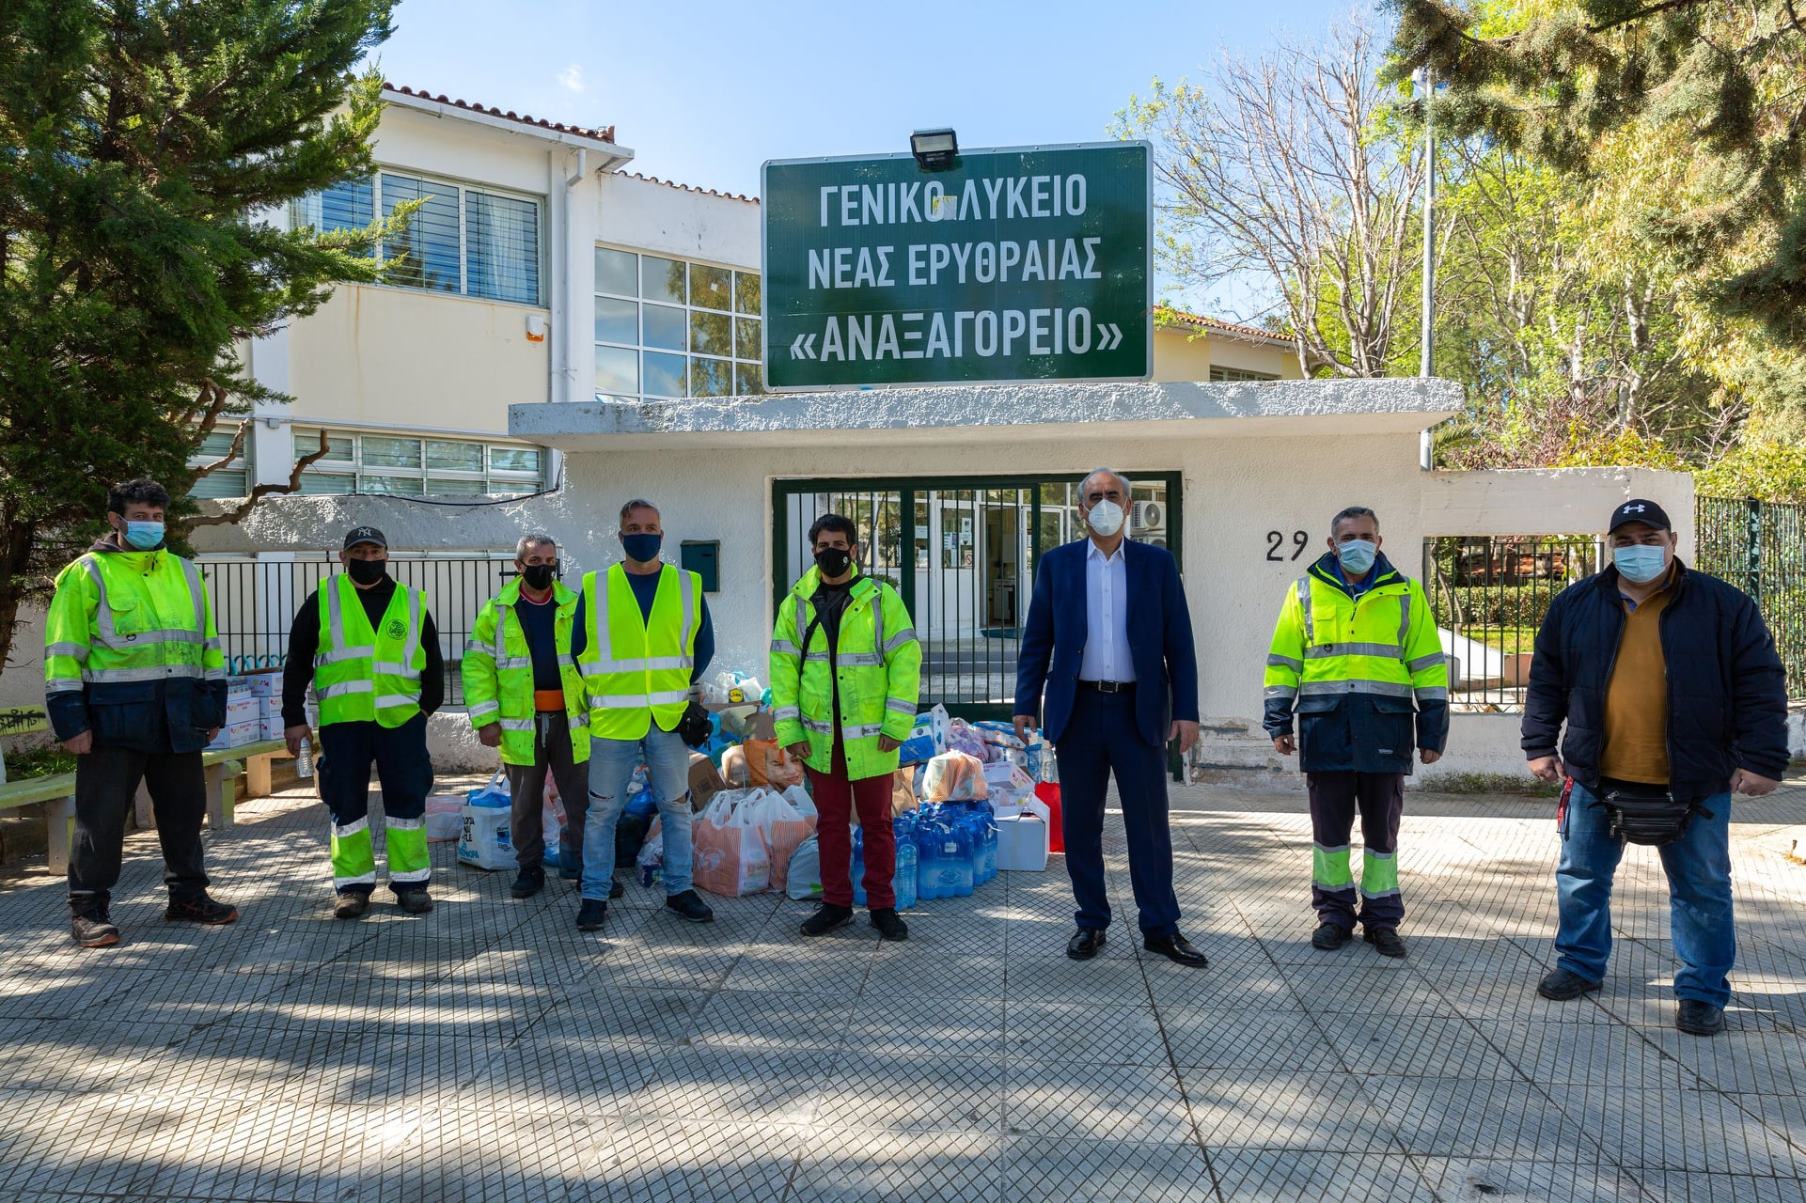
column 928, row 859
column 906, row 880
column 858, row 866
column 304, row 759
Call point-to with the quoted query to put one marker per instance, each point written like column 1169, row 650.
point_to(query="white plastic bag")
column 802, row 878
column 487, row 841
column 729, row 855
column 799, row 797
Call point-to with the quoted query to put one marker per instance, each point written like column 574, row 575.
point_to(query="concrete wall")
column 645, row 215
column 1181, row 354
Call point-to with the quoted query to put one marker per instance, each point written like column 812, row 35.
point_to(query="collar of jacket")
column 859, row 586
column 1607, row 580
column 145, row 562
column 1383, row 574
column 562, row 595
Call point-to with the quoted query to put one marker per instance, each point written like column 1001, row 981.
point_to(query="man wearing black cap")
column 368, row 647
column 1673, row 697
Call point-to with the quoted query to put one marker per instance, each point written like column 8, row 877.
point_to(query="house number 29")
column 1276, row 542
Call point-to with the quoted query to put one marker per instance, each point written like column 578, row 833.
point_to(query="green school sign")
column 1011, row 265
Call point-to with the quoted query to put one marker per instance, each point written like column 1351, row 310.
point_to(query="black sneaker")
column 93, row 931
column 889, row 926
column 615, row 888
column 528, row 882
column 1385, row 941
column 200, row 909
column 415, row 901
column 827, row 917
column 1698, row 1018
column 1329, row 937
column 688, row 906
column 351, row 904
column 1558, row 985
column 590, row 914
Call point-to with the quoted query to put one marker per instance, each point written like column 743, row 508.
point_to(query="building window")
column 468, row 241
column 1232, row 375
column 411, row 466
column 673, row 328
column 230, row 480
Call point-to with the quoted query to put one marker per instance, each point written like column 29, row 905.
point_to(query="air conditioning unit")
column 1150, row 515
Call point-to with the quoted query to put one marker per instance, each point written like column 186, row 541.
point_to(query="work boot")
column 1329, row 937
column 93, row 930
column 198, row 908
column 889, row 925
column 528, row 882
column 1558, row 985
column 1698, row 1018
column 827, row 917
column 1385, row 941
column 590, row 914
column 351, row 904
column 688, row 906
column 415, row 901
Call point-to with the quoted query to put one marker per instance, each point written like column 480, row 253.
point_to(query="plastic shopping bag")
column 954, row 777
column 729, row 856
column 487, row 840
column 961, row 737
column 552, row 823
column 783, row 827
column 799, row 797
column 902, row 791
column 802, row 877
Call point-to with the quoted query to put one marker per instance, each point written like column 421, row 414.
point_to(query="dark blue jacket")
column 1727, row 695
column 1160, row 641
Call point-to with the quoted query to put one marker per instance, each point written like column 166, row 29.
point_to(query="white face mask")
column 1106, row 518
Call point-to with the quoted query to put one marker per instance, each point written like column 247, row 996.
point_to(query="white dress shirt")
column 1106, row 655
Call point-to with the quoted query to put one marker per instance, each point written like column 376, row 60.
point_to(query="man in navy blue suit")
column 1109, row 637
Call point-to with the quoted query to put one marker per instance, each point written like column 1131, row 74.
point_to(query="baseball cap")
column 1639, row 509
column 364, row 534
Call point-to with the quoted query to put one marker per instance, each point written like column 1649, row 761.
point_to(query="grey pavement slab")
column 490, row 1051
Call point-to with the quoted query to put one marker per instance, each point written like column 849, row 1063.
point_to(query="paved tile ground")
column 491, row 1052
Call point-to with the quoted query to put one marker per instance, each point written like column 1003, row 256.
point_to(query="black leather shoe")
column 689, row 907
column 826, row 918
column 1085, row 943
column 1176, row 948
column 1329, row 937
column 1698, row 1018
column 1558, row 985
column 590, row 914
column 528, row 882
column 889, row 926
column 1385, row 941
column 198, row 908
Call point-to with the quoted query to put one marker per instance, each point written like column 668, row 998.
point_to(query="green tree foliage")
column 140, row 140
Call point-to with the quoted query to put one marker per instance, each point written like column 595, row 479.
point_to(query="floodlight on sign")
column 934, row 149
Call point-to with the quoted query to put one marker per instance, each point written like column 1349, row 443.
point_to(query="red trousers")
column 835, row 798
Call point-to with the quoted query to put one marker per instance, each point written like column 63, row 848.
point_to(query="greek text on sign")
column 1028, row 264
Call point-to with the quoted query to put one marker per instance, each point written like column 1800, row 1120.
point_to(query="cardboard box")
column 272, row 727
column 1022, row 839
column 241, row 708
column 265, row 684
column 238, row 734
column 705, row 780
column 270, row 706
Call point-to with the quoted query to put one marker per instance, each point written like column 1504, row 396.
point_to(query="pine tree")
column 140, row 140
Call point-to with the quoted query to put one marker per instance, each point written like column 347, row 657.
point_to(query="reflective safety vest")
column 498, row 675
column 1370, row 661
column 362, row 674
column 637, row 669
column 129, row 616
column 880, row 676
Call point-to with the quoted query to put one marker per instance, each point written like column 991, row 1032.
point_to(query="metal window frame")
column 641, row 348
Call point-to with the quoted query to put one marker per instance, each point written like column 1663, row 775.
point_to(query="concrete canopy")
column 1049, row 412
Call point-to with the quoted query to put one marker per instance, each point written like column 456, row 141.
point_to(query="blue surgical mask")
column 1639, row 564
column 1356, row 555
column 642, row 548
column 143, row 535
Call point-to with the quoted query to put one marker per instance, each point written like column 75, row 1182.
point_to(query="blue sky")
column 705, row 91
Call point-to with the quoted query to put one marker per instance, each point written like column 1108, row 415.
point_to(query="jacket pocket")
column 1389, row 735
column 1324, row 739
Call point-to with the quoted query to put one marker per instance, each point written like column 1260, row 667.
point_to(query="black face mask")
column 367, row 572
column 540, row 576
column 833, row 561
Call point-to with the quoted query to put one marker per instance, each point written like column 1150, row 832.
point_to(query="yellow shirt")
column 1636, row 698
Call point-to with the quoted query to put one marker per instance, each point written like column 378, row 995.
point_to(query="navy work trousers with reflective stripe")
column 1335, row 799
column 347, row 750
column 1100, row 739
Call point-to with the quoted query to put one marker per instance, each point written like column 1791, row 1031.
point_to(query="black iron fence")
column 1760, row 547
column 1489, row 594
column 255, row 601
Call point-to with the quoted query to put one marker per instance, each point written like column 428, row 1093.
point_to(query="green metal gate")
column 1760, row 547
column 962, row 553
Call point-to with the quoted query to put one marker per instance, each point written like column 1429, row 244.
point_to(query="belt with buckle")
column 1109, row 686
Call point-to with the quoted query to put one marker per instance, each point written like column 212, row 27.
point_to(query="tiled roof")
column 1178, row 317
column 652, row 179
column 604, row 133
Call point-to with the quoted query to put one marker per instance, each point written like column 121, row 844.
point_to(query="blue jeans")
column 1699, row 895
column 611, row 765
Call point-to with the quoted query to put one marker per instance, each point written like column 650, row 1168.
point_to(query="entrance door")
column 962, row 552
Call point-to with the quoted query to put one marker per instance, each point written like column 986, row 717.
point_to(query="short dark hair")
column 834, row 522
column 143, row 490
column 639, row 503
column 1353, row 511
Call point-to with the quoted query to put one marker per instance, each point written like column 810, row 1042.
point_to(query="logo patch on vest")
column 397, row 628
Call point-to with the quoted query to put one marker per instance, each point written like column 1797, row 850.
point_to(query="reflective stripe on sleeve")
column 75, row 651
column 1423, row 662
column 783, row 713
column 1274, row 660
column 900, row 706
column 483, row 710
